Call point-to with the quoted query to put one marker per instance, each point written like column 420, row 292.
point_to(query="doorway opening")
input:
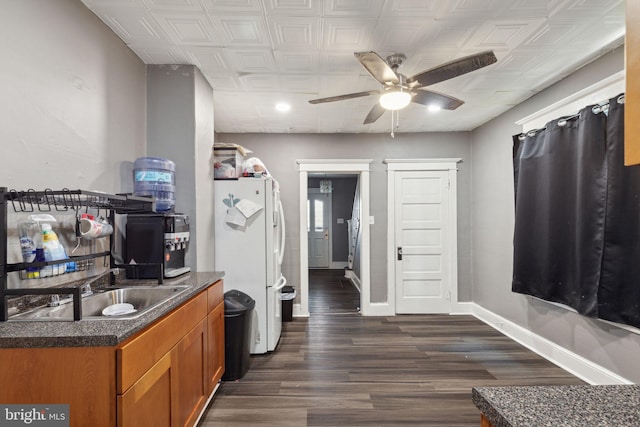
column 358, row 169
column 332, row 235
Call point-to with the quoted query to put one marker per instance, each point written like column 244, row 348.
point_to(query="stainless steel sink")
column 143, row 299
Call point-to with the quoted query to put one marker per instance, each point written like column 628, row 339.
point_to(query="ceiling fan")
column 398, row 90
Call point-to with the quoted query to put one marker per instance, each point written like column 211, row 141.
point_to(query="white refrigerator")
column 249, row 246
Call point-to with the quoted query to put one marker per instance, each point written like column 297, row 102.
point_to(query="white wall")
column 72, row 99
column 492, row 224
column 280, row 152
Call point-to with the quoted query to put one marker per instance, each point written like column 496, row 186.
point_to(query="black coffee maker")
column 156, row 245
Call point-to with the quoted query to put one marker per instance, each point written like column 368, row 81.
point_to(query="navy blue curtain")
column 560, row 188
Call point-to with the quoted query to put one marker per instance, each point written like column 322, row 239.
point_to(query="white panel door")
column 422, row 252
column 318, row 222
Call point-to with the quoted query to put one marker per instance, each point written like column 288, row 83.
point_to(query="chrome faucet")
column 85, row 290
column 55, row 301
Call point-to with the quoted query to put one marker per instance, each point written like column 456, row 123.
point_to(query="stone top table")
column 559, row 406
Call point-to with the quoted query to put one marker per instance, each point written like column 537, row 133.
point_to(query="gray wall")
column 280, row 151
column 72, row 99
column 341, row 206
column 72, row 108
column 493, row 213
column 180, row 128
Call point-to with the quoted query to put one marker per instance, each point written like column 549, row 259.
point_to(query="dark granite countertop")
column 87, row 332
column 560, row 406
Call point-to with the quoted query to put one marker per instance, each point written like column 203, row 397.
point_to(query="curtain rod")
column 599, row 107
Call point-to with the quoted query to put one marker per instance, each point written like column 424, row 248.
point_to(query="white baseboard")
column 462, row 308
column 577, row 365
column 375, row 308
column 356, row 281
column 378, row 309
column 297, row 311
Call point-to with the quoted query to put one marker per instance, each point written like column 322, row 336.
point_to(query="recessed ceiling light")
column 282, row 106
column 434, row 108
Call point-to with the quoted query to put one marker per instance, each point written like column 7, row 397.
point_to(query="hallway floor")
column 331, row 293
column 338, row 368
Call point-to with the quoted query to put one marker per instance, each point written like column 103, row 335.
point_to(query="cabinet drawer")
column 215, row 295
column 139, row 353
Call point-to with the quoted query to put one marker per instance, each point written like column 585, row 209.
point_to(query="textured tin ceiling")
column 256, row 53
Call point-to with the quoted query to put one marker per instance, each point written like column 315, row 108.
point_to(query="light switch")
column 372, row 220
column 340, row 221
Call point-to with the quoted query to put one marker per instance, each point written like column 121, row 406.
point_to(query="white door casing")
column 360, row 167
column 319, row 228
column 422, row 220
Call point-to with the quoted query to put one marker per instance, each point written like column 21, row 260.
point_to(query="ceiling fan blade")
column 428, row 97
column 452, row 69
column 343, row 97
column 375, row 113
column 377, row 67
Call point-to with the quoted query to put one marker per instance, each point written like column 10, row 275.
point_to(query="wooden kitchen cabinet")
column 82, row 377
column 632, row 91
column 192, row 383
column 174, row 390
column 175, row 361
column 215, row 322
column 138, row 354
column 484, row 421
column 215, row 330
column 161, row 376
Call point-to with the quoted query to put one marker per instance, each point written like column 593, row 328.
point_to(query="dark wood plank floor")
column 338, row 368
column 331, row 292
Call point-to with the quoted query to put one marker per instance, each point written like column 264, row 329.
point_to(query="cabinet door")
column 62, row 375
column 632, row 93
column 149, row 401
column 215, row 337
column 192, row 384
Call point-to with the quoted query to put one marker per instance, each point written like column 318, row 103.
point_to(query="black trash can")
column 288, row 295
column 238, row 313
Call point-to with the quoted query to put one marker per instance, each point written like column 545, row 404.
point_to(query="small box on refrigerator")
column 227, row 163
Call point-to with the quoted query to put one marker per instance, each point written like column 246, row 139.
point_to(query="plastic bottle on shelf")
column 53, row 251
column 28, row 231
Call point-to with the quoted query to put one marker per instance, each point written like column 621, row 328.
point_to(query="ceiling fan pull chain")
column 392, row 133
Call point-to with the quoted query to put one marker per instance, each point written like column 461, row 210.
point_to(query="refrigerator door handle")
column 280, row 285
column 282, row 233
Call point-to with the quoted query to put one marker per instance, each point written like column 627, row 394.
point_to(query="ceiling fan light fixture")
column 395, row 99
column 283, row 107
